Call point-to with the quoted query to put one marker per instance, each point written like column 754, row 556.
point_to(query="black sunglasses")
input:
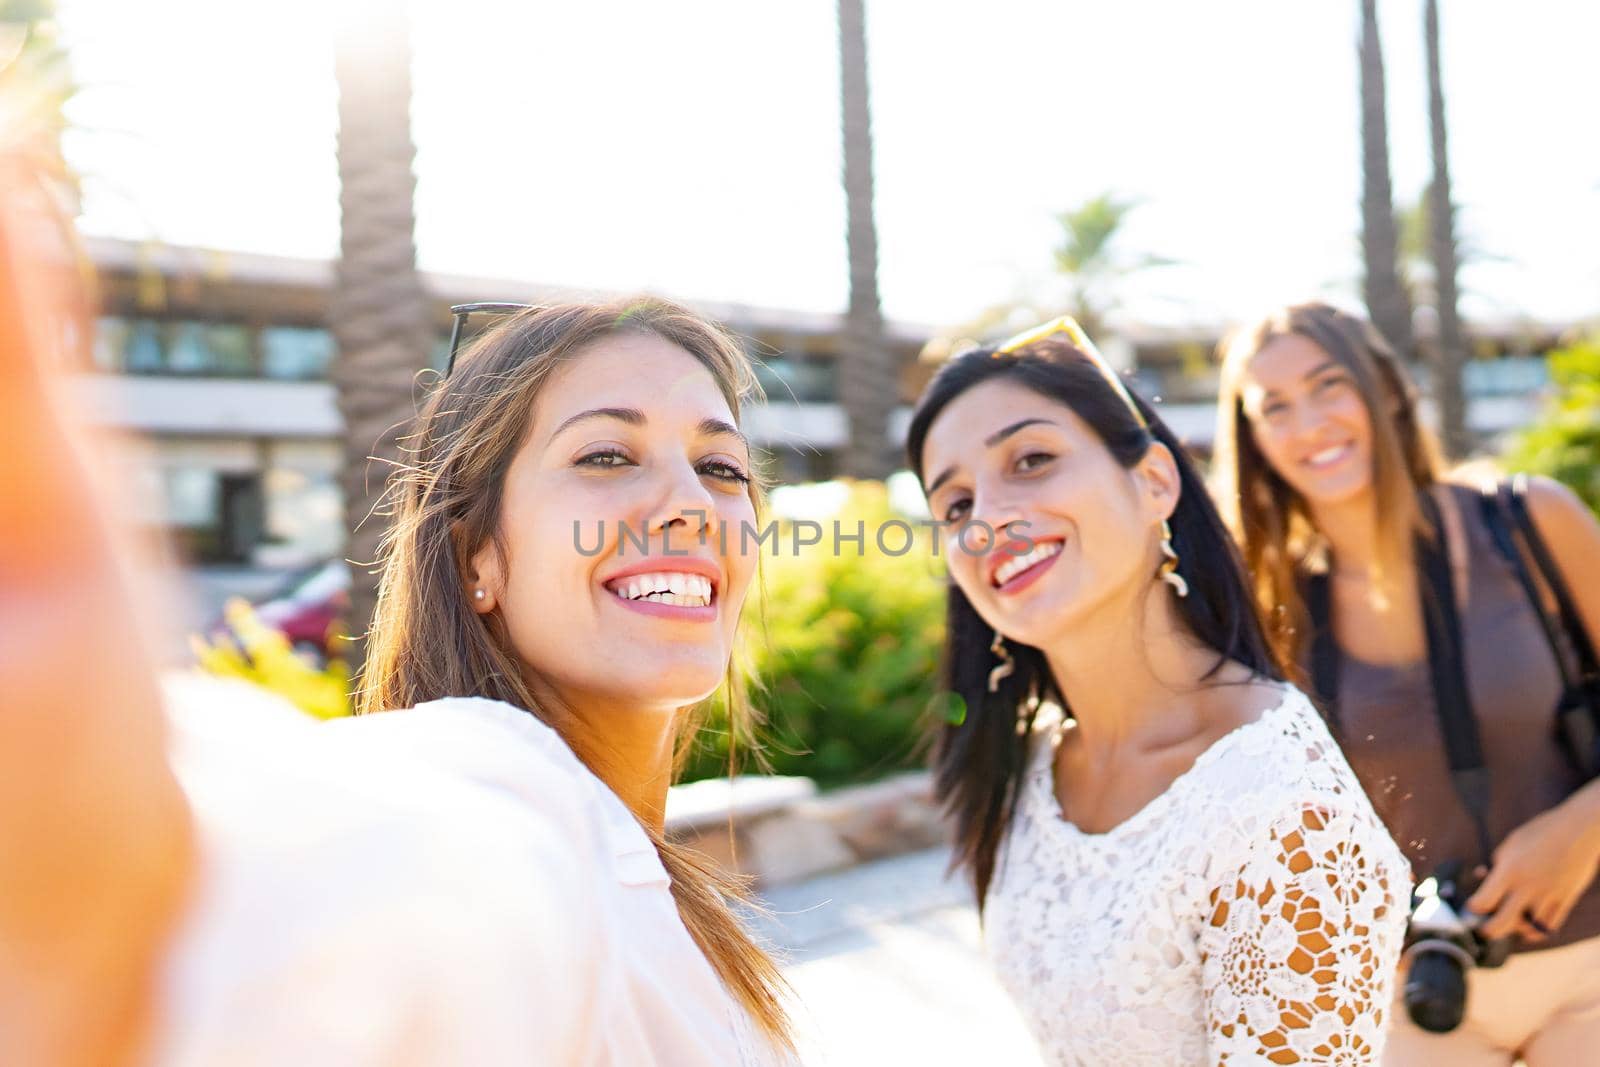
column 461, row 311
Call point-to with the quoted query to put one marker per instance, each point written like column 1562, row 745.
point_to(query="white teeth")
column 1013, row 567
column 1326, row 456
column 666, row 587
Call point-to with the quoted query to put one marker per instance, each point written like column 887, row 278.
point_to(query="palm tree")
column 38, row 81
column 868, row 378
column 1381, row 286
column 379, row 311
column 1088, row 257
column 1450, row 356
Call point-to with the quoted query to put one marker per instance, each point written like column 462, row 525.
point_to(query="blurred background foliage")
column 256, row 652
column 1564, row 442
column 845, row 649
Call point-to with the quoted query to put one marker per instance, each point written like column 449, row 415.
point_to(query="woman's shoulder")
column 483, row 742
column 1285, row 757
column 441, row 893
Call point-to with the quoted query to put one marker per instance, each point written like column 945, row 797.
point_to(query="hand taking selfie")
column 1541, row 870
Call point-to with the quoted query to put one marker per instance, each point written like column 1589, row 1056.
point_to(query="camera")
column 1442, row 944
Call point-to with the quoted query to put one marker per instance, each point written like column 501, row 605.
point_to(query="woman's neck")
column 1129, row 672
column 1351, row 530
column 627, row 746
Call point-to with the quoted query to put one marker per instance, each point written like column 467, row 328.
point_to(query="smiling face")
column 1309, row 420
column 631, row 442
column 1002, row 456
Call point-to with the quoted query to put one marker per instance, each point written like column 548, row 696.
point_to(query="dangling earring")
column 1169, row 563
column 1006, row 665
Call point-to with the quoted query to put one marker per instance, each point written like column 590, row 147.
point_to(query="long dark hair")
column 978, row 763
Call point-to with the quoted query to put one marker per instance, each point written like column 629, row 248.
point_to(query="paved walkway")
column 885, row 958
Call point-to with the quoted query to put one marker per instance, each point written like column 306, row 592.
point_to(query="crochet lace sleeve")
column 1303, row 936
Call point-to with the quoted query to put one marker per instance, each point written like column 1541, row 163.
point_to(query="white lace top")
column 1252, row 913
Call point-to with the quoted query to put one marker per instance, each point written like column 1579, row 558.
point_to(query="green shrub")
column 848, row 662
column 1564, row 442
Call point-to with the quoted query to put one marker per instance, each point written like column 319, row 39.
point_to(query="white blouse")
column 434, row 887
column 1254, row 909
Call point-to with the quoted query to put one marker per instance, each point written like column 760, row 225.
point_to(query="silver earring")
column 478, row 594
column 1169, row 562
column 1006, row 665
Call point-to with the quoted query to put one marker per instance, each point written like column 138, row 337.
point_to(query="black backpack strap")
column 1452, row 699
column 1499, row 517
column 1577, row 632
column 1324, row 646
column 1580, row 709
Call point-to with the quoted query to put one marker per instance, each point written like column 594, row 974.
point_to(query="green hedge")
column 1564, row 442
column 848, row 662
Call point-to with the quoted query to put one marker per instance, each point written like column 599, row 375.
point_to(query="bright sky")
column 692, row 147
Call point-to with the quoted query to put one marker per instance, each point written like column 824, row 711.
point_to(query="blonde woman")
column 1361, row 551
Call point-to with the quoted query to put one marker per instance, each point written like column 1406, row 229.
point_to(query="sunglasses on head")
column 461, row 311
column 1067, row 326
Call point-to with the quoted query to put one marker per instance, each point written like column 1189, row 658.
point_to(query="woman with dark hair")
column 1427, row 618
column 1174, row 863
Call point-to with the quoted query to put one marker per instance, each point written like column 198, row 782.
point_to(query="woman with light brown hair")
column 1448, row 631
column 561, row 592
column 480, row 878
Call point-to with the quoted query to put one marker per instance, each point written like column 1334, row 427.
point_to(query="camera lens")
column 1436, row 992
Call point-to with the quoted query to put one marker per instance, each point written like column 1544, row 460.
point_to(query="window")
column 209, row 348
column 110, row 343
column 143, row 351
column 799, row 379
column 1509, row 376
column 304, row 512
column 296, row 352
column 791, row 466
column 215, row 516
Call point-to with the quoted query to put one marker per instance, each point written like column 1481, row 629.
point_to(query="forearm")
column 1581, row 811
column 95, row 838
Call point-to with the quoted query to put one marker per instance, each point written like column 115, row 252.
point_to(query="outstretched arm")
column 94, row 833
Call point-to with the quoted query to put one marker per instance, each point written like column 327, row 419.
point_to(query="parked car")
column 307, row 607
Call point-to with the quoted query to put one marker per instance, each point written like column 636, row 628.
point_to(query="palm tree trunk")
column 379, row 311
column 1451, row 356
column 868, row 382
column 1387, row 303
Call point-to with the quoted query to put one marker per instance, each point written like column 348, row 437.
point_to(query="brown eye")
column 956, row 509
column 608, row 458
column 724, row 471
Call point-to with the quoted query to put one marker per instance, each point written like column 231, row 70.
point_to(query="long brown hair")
column 427, row 642
column 1270, row 520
